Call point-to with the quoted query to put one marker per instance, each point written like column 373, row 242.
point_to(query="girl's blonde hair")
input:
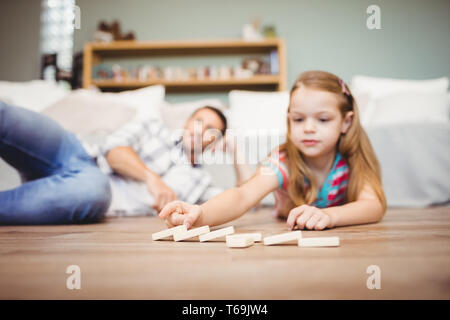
column 354, row 145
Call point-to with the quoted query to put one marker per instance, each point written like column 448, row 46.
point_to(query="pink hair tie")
column 344, row 89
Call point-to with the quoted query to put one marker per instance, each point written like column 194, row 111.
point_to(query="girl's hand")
column 179, row 212
column 308, row 217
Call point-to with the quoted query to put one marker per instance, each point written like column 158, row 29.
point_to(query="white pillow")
column 258, row 110
column 367, row 89
column 91, row 116
column 407, row 107
column 260, row 120
column 381, row 87
column 85, row 112
column 174, row 115
column 35, row 95
column 145, row 100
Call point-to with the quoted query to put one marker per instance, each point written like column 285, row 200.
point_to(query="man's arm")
column 126, row 162
column 122, row 150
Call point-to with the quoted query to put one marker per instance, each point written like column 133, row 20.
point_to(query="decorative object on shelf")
column 213, row 73
column 273, row 62
column 111, row 32
column 240, row 73
column 117, row 73
column 256, row 65
column 251, row 31
column 269, row 31
column 224, row 72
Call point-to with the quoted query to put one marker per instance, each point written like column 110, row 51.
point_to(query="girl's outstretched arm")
column 227, row 206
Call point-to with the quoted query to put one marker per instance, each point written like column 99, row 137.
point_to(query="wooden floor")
column 118, row 260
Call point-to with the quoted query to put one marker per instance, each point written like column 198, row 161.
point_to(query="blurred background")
column 397, row 71
column 324, row 34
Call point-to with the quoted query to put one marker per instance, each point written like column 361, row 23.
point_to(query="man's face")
column 201, row 129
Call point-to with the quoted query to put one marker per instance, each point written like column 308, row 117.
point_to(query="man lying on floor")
column 135, row 172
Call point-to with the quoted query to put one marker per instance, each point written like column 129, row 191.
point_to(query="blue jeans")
column 61, row 182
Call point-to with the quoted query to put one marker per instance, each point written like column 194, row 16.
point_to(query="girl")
column 325, row 175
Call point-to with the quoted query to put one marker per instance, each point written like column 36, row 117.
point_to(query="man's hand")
column 160, row 191
column 178, row 212
column 308, row 217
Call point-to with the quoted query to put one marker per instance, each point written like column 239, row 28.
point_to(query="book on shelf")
column 273, row 60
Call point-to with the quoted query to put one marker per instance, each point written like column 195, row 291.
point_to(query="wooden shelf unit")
column 94, row 53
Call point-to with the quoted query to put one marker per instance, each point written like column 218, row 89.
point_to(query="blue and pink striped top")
column 334, row 189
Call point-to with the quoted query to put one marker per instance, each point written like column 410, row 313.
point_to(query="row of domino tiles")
column 243, row 240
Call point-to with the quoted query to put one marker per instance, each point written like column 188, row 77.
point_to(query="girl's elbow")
column 380, row 211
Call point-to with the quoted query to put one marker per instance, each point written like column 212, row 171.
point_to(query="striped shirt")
column 334, row 189
column 162, row 154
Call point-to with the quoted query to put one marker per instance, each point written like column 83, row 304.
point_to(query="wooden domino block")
column 216, row 234
column 168, row 232
column 319, row 242
column 283, row 237
column 256, row 236
column 239, row 242
column 180, row 236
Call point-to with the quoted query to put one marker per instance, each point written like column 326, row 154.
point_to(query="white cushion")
column 35, row 95
column 381, row 87
column 91, row 116
column 145, row 100
column 258, row 110
column 406, row 107
column 260, row 121
column 86, row 112
column 366, row 91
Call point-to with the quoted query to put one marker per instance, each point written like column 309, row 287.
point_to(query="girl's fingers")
column 168, row 224
column 311, row 223
column 176, row 218
column 191, row 217
column 323, row 223
column 307, row 214
column 169, row 208
column 293, row 215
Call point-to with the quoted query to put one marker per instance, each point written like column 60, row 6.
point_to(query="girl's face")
column 316, row 122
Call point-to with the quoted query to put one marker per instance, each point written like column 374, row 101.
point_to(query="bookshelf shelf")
column 95, row 53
